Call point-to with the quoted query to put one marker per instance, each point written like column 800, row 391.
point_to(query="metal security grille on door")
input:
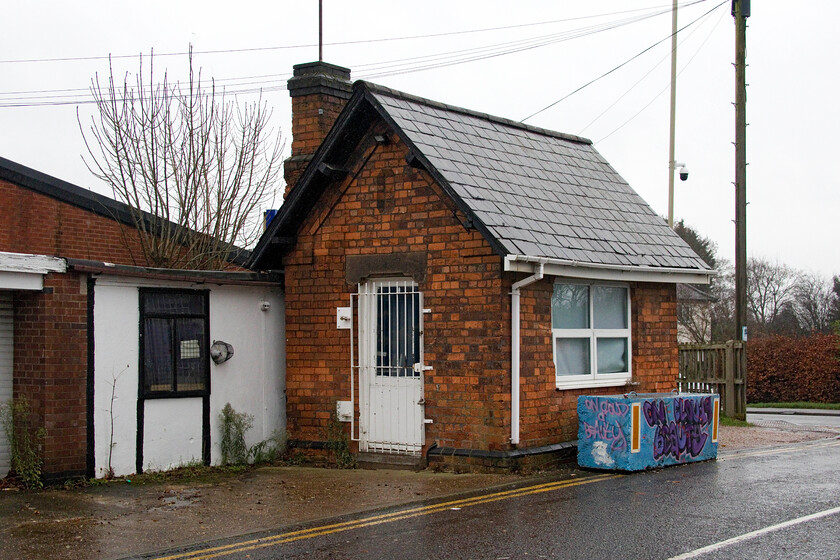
column 397, row 331
column 390, row 367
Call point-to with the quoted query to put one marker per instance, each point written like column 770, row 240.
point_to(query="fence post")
column 731, row 398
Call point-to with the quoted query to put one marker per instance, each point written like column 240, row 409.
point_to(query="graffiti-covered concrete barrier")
column 634, row 432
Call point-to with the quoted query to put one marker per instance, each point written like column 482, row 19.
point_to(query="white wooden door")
column 6, row 361
column 391, row 367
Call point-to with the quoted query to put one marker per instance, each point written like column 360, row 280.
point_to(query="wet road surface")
column 781, row 502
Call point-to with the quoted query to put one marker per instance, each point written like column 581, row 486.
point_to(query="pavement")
column 794, row 411
column 127, row 517
column 794, row 417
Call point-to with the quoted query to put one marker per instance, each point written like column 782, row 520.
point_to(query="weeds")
column 234, row 426
column 234, row 449
column 338, row 444
column 25, row 441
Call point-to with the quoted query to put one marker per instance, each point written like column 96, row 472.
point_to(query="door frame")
column 368, row 316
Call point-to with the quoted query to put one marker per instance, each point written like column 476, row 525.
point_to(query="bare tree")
column 771, row 290
column 193, row 165
column 699, row 306
column 815, row 300
column 694, row 314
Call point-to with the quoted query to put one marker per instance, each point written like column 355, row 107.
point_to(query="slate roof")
column 532, row 192
column 539, row 193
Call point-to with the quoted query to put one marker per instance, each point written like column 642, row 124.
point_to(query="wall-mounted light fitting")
column 220, row 352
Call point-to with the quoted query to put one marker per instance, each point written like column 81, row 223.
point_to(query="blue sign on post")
column 635, row 432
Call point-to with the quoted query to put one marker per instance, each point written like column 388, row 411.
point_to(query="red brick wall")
column 38, row 224
column 313, row 115
column 51, row 367
column 549, row 415
column 389, row 207
column 386, row 206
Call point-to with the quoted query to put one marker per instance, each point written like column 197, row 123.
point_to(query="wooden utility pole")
column 741, row 11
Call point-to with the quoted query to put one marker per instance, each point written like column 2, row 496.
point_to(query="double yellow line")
column 302, row 534
column 292, row 536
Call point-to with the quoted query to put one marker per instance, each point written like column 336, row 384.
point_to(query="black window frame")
column 173, row 318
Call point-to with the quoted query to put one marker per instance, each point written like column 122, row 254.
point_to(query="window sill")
column 590, row 383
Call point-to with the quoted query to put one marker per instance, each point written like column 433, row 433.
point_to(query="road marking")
column 274, row 540
column 754, row 534
column 292, row 536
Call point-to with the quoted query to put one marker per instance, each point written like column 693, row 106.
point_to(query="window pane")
column 173, row 303
column 610, row 307
column 572, row 356
column 190, row 348
column 612, row 355
column 398, row 332
column 157, row 355
column 570, row 307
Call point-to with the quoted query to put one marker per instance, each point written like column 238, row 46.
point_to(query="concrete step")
column 389, row 461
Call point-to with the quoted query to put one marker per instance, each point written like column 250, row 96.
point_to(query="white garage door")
column 6, row 347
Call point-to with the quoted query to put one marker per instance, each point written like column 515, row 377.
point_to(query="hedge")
column 790, row 369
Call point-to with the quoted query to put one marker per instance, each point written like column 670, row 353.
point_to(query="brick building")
column 454, row 281
column 73, row 285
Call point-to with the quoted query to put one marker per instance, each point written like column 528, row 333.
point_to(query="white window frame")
column 594, row 379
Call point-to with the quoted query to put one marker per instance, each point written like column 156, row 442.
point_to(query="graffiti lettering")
column 607, row 426
column 676, row 439
column 656, row 413
column 693, row 411
column 685, row 434
column 608, row 432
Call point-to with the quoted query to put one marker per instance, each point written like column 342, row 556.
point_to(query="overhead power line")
column 649, row 72
column 666, row 88
column 625, row 63
column 337, row 43
column 276, row 82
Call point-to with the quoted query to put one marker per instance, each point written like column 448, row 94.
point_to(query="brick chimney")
column 319, row 92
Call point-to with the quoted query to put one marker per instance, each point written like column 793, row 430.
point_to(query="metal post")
column 320, row 30
column 671, row 160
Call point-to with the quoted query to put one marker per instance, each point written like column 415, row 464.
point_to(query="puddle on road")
column 174, row 499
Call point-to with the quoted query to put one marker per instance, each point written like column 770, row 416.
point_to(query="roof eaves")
column 601, row 271
column 298, row 194
column 221, row 277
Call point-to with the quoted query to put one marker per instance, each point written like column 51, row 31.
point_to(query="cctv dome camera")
column 683, row 173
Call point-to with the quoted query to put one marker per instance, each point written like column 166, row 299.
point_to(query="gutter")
column 514, row 348
column 598, row 271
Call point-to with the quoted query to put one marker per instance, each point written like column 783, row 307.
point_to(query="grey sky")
column 792, row 111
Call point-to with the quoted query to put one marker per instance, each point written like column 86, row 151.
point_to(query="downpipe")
column 514, row 348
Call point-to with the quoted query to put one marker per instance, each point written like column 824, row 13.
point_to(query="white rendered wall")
column 116, row 319
column 253, row 381
column 172, row 434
